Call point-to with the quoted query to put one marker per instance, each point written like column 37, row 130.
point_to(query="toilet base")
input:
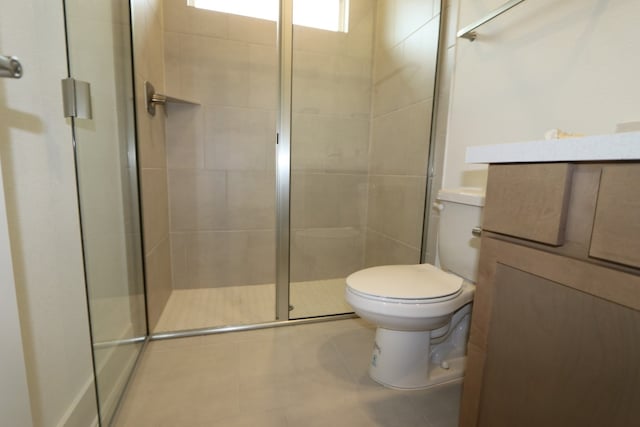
column 400, row 360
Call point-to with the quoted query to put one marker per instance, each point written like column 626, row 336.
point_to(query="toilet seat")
column 409, row 284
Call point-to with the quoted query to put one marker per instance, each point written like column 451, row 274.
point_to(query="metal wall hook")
column 10, row 67
column 152, row 99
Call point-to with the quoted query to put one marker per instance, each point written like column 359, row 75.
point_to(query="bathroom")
column 540, row 65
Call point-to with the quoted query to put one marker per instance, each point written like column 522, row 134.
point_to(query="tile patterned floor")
column 237, row 305
column 295, row 376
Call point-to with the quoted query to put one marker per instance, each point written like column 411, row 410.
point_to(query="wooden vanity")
column 555, row 330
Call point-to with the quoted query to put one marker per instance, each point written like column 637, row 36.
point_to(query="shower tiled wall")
column 403, row 86
column 358, row 156
column 221, row 153
column 330, row 142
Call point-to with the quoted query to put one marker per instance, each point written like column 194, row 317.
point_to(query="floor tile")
column 295, row 376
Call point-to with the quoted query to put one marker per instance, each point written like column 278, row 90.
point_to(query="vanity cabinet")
column 555, row 330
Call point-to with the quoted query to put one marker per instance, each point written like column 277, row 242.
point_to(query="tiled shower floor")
column 295, row 376
column 237, row 305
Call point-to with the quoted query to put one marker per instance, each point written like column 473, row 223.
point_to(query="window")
column 331, row 15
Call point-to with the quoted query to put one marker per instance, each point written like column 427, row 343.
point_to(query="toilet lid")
column 421, row 281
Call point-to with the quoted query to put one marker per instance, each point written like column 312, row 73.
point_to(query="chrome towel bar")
column 10, row 67
column 468, row 31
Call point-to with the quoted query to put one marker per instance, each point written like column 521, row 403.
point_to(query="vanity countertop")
column 619, row 146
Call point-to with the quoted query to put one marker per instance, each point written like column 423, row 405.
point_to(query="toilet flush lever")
column 438, row 206
column 476, row 231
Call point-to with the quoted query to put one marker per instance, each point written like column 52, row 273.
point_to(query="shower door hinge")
column 76, row 98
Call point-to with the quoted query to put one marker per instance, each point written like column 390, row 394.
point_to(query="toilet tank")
column 460, row 211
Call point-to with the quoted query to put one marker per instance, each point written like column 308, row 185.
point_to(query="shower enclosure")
column 99, row 53
column 301, row 158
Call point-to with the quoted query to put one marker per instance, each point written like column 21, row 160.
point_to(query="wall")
column 14, row 405
column 39, row 184
column 359, row 156
column 148, row 47
column 331, row 102
column 571, row 65
column 221, row 153
column 403, row 79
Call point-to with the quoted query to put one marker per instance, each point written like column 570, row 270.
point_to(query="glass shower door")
column 220, row 158
column 362, row 101
column 331, row 92
column 99, row 52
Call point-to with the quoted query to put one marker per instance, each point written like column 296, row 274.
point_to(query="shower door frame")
column 283, row 159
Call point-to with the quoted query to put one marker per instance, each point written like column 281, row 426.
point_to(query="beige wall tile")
column 329, row 143
column 326, row 253
column 357, row 42
column 250, row 200
column 361, row 29
column 263, row 77
column 313, row 82
column 230, row 258
column 328, row 200
column 400, row 141
column 185, row 136
column 382, row 250
column 218, row 200
column 155, row 212
column 353, row 85
column 329, row 84
column 158, row 268
column 411, row 15
column 179, row 266
column 179, row 17
column 252, row 30
column 396, row 206
column 172, row 62
column 404, row 74
column 214, row 71
column 239, row 138
column 197, row 199
column 385, row 25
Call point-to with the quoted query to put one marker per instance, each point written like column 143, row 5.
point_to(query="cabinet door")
column 616, row 228
column 553, row 342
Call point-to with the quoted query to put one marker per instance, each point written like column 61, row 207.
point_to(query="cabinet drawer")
column 616, row 227
column 528, row 201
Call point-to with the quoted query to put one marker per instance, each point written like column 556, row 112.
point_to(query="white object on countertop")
column 621, row 146
column 560, row 134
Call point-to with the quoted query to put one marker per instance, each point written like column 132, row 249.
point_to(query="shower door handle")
column 10, row 67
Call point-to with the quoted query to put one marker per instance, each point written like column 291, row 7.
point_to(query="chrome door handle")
column 10, row 67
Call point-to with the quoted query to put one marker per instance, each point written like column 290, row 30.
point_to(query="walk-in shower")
column 304, row 160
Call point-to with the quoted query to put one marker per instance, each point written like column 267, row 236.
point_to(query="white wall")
column 39, row 185
column 545, row 64
column 15, row 409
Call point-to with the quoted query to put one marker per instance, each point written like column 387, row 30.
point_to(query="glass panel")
column 220, row 159
column 362, row 102
column 100, row 53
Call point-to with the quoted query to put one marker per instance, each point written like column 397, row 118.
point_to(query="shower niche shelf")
column 152, row 98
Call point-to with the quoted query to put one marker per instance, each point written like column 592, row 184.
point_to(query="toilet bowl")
column 422, row 312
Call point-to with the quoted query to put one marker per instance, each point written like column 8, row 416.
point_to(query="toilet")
column 422, row 312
